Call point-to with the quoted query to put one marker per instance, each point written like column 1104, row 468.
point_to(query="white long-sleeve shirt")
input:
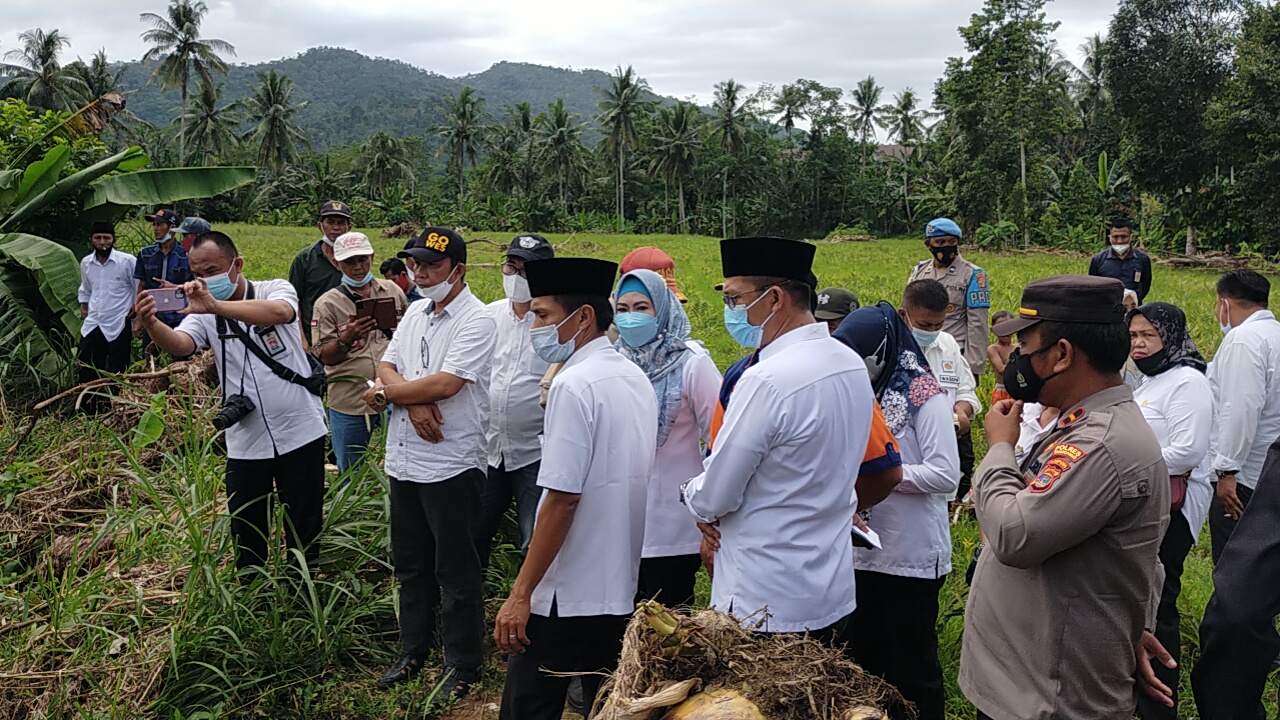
column 1178, row 405
column 668, row 528
column 515, row 413
column 912, row 521
column 1245, row 377
column 780, row 481
column 108, row 288
column 951, row 370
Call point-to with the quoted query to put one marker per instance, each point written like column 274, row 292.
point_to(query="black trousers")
column 669, row 579
column 1221, row 526
column 965, row 444
column 432, row 546
column 1238, row 639
column 297, row 479
column 1173, row 554
column 560, row 644
column 893, row 634
column 97, row 353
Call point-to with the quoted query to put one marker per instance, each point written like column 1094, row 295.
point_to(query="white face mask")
column 517, row 288
column 1224, row 323
column 438, row 292
column 1121, row 249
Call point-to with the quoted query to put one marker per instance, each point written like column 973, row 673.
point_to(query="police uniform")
column 1070, row 577
column 969, row 298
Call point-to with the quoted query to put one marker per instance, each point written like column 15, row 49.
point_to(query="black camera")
column 234, row 409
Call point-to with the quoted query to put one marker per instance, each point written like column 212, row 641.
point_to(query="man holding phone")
column 351, row 329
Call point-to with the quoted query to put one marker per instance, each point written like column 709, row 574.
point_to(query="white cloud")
column 682, row 48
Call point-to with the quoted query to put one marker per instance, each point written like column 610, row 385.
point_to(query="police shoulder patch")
column 1042, row 483
column 978, row 294
column 1066, row 450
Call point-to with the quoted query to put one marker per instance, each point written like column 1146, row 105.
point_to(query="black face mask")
column 1153, row 364
column 1020, row 379
column 946, row 254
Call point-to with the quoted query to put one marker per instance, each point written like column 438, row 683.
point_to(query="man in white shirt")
column 107, row 292
column 515, row 414
column 780, row 477
column 272, row 414
column 1245, row 377
column 439, row 356
column 570, row 603
column 924, row 310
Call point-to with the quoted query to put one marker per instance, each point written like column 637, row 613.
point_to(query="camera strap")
column 275, row 366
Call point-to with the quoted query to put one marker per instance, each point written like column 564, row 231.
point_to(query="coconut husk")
column 787, row 676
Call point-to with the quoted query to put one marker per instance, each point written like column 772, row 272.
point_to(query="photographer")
column 271, row 412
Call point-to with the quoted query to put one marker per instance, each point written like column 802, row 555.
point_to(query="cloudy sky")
column 683, row 47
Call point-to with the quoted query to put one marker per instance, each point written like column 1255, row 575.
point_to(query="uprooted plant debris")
column 706, row 664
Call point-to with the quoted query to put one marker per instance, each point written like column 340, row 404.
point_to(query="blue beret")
column 942, row 226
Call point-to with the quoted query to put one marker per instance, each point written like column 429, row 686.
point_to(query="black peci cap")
column 435, row 244
column 772, row 256
column 571, row 276
column 531, row 247
column 1067, row 299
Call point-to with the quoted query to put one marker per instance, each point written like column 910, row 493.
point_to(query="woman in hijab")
column 653, row 332
column 893, row 632
column 1176, row 400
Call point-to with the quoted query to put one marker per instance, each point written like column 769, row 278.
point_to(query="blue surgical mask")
column 743, row 332
column 925, row 338
column 220, row 285
column 636, row 328
column 368, row 278
column 546, row 343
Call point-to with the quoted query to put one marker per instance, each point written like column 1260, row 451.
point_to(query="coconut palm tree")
column 176, row 43
column 385, row 162
column 463, row 132
column 904, row 120
column 622, row 104
column 864, row 110
column 730, row 116
column 271, row 110
column 1089, row 79
column 790, row 105
column 676, row 146
column 210, row 130
column 37, row 77
column 561, row 135
column 97, row 75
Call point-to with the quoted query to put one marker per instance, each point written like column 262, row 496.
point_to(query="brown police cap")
column 1067, row 299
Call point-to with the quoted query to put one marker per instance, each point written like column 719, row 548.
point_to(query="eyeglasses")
column 509, row 268
column 731, row 301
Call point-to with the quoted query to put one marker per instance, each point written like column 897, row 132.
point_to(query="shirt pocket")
column 531, row 364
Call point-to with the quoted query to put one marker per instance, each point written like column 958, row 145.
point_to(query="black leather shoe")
column 453, row 686
column 403, row 671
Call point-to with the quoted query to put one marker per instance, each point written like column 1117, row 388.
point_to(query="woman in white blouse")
column 653, row 332
column 1175, row 399
column 893, row 633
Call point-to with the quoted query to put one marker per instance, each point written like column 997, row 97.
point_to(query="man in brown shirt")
column 1070, row 577
column 351, row 347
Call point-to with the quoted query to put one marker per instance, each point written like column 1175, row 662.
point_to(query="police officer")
column 967, row 288
column 1069, row 580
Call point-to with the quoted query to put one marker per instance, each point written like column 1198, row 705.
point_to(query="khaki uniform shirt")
column 969, row 305
column 347, row 379
column 1071, row 573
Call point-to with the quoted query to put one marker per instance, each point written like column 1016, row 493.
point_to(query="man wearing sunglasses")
column 515, row 415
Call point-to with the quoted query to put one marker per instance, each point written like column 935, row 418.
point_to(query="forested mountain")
column 350, row 96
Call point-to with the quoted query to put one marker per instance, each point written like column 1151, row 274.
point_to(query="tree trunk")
column 684, row 226
column 1026, row 230
column 906, row 193
column 182, row 125
column 622, row 192
column 1192, row 247
column 666, row 202
column 724, row 204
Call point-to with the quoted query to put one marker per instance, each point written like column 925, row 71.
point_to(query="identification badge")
column 1137, row 276
column 271, row 340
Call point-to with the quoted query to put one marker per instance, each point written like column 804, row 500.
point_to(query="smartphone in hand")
column 169, row 299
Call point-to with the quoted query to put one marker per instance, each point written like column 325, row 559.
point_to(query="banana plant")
column 39, row 276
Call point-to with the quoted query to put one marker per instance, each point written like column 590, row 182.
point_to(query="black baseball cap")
column 531, row 247
column 435, row 244
column 1081, row 299
column 334, row 207
column 834, row 303
column 167, row 216
column 571, row 276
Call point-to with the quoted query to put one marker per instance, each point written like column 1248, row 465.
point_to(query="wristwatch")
column 1219, row 474
column 346, row 346
column 380, row 395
